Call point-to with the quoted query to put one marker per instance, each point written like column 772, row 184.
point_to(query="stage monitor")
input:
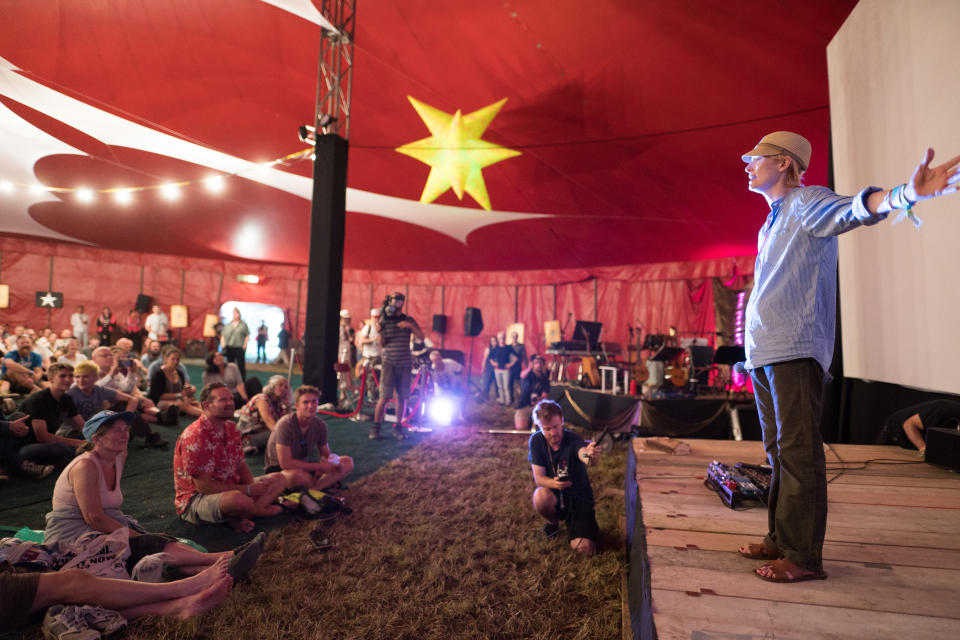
column 589, row 332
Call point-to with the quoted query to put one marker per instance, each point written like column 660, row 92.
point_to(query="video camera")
column 390, row 309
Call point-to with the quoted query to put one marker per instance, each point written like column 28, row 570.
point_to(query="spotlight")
column 307, row 133
column 6, row 186
column 441, row 410
column 170, row 191
column 85, row 195
column 123, row 196
column 214, row 184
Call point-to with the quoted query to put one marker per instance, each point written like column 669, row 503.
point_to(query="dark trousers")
column 486, row 382
column 789, row 398
column 55, row 453
column 237, row 356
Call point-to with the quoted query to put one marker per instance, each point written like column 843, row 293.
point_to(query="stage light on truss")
column 441, row 410
column 123, row 196
column 37, row 189
column 248, row 278
column 6, row 186
column 85, row 195
column 215, row 184
column 170, row 192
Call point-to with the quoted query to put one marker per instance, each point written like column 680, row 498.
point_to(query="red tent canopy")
column 630, row 117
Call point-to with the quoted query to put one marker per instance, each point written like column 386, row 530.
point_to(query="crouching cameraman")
column 395, row 329
column 559, row 458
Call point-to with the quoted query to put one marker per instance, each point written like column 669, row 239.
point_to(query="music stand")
column 730, row 355
column 667, row 354
column 589, row 332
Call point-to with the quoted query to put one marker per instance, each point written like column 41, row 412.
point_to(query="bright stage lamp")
column 6, row 186
column 441, row 410
column 85, row 195
column 123, row 196
column 170, row 191
column 214, row 184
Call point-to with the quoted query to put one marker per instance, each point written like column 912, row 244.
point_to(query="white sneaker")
column 103, row 620
column 34, row 470
column 64, row 622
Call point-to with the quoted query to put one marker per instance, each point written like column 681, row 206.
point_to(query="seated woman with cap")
column 87, row 497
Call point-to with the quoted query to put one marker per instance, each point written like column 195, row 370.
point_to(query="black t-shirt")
column 565, row 458
column 936, row 413
column 501, row 355
column 283, row 339
column 533, row 385
column 43, row 406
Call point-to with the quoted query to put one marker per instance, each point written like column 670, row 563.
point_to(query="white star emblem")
column 48, row 300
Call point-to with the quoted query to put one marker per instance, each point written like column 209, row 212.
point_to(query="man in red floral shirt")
column 213, row 482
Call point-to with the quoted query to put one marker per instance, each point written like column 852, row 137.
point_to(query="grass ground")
column 442, row 543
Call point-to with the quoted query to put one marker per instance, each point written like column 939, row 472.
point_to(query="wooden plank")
column 851, row 585
column 936, row 497
column 864, row 516
column 705, row 617
column 832, row 550
column 834, row 533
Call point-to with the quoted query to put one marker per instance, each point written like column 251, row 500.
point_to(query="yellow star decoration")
column 455, row 152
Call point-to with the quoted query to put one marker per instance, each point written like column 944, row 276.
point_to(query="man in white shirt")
column 79, row 321
column 157, row 325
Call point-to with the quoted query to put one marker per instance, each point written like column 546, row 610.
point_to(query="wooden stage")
column 892, row 551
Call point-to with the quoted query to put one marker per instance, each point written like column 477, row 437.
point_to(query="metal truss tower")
column 335, row 77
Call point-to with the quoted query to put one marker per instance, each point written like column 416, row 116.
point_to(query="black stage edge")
column 325, row 271
column 639, row 596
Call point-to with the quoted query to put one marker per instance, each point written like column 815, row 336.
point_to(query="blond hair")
column 795, row 173
column 87, row 366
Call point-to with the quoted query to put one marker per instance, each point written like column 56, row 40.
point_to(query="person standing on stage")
column 233, row 342
column 790, row 320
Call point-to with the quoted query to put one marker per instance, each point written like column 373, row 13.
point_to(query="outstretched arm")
column 927, row 182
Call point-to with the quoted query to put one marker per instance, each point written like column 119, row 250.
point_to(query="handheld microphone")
column 741, row 368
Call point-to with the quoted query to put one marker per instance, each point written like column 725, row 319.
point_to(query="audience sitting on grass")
column 23, row 594
column 91, row 398
column 120, row 373
column 47, row 409
column 92, row 343
column 151, row 354
column 170, row 390
column 157, row 364
column 10, row 462
column 22, row 369
column 124, row 350
column 87, row 498
column 534, row 387
column 71, row 354
column 294, row 439
column 219, row 370
column 259, row 415
column 212, row 479
column 559, row 459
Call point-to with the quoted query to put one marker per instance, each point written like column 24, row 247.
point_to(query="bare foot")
column 243, row 525
column 205, row 600
column 758, row 552
column 783, row 570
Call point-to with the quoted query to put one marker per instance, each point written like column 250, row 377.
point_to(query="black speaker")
column 440, row 324
column 472, row 322
column 144, row 303
column 943, row 447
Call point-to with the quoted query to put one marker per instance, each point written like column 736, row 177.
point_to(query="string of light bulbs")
column 168, row 190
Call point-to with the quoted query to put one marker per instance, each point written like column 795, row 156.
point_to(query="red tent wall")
column 652, row 297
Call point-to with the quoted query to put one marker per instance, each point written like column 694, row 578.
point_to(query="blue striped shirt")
column 791, row 313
